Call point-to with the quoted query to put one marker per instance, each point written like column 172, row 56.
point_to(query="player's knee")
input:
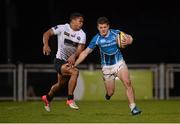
column 127, row 83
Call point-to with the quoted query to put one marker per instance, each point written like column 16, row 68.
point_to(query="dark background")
column 154, row 26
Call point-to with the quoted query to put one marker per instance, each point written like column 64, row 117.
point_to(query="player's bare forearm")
column 82, row 56
column 46, row 36
column 79, row 50
column 71, row 60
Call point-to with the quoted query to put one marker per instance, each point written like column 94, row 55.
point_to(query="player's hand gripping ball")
column 120, row 39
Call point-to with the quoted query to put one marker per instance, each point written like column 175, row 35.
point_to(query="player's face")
column 103, row 29
column 77, row 23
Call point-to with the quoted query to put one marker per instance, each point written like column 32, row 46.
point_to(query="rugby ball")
column 121, row 38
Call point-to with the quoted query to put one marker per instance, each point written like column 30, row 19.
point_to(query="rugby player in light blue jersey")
column 113, row 64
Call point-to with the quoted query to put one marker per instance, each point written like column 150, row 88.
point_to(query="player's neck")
column 73, row 27
column 106, row 35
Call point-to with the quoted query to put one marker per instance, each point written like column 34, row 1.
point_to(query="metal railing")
column 29, row 68
column 169, row 78
column 163, row 77
column 9, row 68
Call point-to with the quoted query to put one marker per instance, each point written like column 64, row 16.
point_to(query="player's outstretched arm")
column 72, row 58
column 46, row 36
column 82, row 56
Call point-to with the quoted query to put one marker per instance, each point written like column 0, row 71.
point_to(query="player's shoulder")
column 81, row 31
column 59, row 26
column 114, row 31
column 96, row 37
column 65, row 26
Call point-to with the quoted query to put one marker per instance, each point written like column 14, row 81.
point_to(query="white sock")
column 132, row 105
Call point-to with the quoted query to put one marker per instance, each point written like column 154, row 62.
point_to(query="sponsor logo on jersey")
column 102, row 41
column 73, row 35
column 66, row 33
column 78, row 37
column 68, row 42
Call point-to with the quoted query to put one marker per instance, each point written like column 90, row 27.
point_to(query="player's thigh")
column 123, row 75
column 109, row 85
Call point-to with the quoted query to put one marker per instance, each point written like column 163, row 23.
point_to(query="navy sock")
column 107, row 97
column 70, row 97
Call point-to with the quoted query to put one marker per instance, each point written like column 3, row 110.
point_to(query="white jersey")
column 68, row 40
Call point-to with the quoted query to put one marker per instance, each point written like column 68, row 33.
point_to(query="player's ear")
column 97, row 26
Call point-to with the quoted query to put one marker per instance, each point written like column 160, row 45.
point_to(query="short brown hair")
column 102, row 20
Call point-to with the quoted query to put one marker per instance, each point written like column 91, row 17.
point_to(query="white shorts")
column 110, row 72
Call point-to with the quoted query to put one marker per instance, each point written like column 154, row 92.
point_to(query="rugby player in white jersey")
column 113, row 64
column 71, row 42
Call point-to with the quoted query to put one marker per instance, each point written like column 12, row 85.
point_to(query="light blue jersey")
column 110, row 52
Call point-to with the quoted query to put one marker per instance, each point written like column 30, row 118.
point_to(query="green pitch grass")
column 90, row 111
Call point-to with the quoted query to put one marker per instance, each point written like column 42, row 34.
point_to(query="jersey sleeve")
column 115, row 31
column 118, row 31
column 82, row 38
column 57, row 29
column 93, row 42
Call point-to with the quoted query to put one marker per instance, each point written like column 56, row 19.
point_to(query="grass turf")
column 154, row 111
